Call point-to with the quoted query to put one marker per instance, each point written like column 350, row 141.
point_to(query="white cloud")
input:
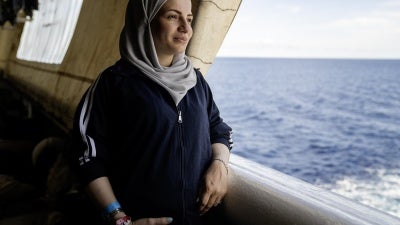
column 392, row 3
column 371, row 33
column 388, row 14
column 361, row 21
column 294, row 9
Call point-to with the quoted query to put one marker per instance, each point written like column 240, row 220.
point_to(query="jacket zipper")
column 180, row 117
column 180, row 121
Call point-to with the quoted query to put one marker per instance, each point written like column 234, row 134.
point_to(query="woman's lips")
column 181, row 39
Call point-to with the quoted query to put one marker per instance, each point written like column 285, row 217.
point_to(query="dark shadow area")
column 36, row 183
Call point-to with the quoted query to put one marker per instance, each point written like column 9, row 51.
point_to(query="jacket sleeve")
column 89, row 135
column 220, row 132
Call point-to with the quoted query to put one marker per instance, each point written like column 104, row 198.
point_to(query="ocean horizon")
column 334, row 123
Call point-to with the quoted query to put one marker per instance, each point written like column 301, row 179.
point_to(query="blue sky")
column 316, row 29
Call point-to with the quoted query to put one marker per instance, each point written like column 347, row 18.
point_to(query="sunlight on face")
column 172, row 30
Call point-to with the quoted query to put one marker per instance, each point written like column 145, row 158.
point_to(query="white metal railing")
column 259, row 195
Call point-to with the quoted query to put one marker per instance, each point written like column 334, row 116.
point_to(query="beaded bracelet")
column 126, row 220
column 223, row 162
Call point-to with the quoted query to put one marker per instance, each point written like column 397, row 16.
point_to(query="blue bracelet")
column 112, row 207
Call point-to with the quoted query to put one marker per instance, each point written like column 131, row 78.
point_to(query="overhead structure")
column 57, row 82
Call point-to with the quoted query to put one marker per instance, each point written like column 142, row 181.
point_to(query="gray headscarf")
column 137, row 47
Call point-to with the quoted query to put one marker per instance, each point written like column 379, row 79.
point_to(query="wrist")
column 113, row 212
column 223, row 163
column 111, row 209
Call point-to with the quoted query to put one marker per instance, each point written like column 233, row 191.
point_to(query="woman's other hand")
column 215, row 185
column 153, row 221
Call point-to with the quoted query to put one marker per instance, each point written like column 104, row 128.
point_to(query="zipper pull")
column 180, row 116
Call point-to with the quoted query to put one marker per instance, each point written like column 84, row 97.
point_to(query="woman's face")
column 171, row 29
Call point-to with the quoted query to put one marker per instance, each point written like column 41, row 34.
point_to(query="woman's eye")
column 172, row 16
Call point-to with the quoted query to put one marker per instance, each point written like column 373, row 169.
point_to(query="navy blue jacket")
column 154, row 152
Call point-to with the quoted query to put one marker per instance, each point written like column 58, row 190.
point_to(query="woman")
column 152, row 147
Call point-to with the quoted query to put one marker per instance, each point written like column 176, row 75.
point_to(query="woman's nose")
column 184, row 26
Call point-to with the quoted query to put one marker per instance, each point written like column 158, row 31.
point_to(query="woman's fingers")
column 153, row 221
column 217, row 202
column 214, row 186
column 163, row 220
column 205, row 198
column 207, row 204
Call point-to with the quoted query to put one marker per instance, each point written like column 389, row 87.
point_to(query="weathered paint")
column 214, row 19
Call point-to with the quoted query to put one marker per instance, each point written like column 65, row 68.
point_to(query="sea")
column 334, row 123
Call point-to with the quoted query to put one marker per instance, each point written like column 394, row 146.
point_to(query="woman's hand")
column 215, row 185
column 153, row 221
